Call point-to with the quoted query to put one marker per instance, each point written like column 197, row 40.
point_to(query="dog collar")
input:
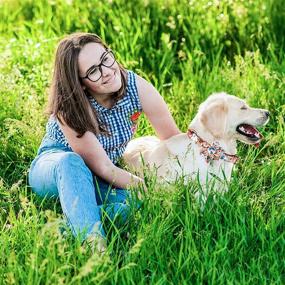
column 211, row 151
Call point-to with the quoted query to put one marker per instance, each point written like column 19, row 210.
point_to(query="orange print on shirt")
column 134, row 119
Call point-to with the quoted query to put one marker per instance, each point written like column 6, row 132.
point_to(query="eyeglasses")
column 94, row 73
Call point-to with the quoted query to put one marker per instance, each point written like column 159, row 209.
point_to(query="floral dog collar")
column 211, row 151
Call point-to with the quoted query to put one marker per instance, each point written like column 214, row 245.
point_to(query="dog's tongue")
column 250, row 129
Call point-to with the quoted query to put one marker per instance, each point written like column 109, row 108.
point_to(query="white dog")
column 208, row 151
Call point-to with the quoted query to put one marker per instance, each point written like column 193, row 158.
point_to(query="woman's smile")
column 110, row 79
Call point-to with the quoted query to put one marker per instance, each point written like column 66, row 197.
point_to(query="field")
column 187, row 49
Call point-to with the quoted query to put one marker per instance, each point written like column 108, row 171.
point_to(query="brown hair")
column 67, row 99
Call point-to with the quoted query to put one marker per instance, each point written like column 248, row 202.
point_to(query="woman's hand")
column 95, row 157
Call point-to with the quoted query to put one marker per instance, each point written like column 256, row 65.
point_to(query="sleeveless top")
column 120, row 120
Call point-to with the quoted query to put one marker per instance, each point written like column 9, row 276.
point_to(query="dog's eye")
column 243, row 108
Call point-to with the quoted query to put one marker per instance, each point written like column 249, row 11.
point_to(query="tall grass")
column 187, row 49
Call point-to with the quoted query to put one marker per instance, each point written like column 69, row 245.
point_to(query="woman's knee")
column 41, row 177
column 73, row 163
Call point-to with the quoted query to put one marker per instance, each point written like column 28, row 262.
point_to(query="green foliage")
column 187, row 49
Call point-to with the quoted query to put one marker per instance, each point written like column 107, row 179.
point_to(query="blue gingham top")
column 119, row 121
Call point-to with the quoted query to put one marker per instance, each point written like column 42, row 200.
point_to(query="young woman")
column 93, row 106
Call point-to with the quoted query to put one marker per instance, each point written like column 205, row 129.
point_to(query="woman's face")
column 90, row 57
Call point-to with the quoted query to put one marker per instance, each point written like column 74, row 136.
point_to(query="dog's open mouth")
column 250, row 132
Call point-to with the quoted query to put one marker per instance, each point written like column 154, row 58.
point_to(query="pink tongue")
column 253, row 131
column 250, row 129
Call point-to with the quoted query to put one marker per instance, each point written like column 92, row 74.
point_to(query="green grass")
column 187, row 49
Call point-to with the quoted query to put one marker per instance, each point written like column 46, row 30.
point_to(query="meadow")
column 187, row 49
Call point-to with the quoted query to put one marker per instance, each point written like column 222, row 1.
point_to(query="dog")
column 207, row 151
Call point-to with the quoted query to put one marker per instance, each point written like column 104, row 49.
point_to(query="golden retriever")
column 207, row 151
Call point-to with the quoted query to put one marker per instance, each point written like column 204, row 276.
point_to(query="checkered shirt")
column 118, row 119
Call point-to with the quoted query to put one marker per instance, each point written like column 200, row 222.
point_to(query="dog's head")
column 228, row 117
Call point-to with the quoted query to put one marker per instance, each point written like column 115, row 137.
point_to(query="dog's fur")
column 178, row 156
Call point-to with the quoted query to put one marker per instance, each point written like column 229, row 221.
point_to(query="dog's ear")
column 214, row 118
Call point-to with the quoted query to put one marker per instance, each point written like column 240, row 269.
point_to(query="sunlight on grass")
column 187, row 49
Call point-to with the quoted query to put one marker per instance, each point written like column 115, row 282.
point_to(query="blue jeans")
column 57, row 171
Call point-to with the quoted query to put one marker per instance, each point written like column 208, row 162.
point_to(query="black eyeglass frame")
column 108, row 51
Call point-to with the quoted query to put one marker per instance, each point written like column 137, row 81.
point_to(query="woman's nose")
column 105, row 70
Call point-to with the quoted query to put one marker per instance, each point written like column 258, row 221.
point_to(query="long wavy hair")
column 67, row 99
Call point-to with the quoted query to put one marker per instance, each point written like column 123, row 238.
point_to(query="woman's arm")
column 92, row 152
column 156, row 110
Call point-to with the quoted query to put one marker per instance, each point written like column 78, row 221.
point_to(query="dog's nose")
column 267, row 114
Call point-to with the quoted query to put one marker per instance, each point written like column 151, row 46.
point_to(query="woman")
column 93, row 106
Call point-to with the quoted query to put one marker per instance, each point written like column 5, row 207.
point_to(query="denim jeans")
column 57, row 171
